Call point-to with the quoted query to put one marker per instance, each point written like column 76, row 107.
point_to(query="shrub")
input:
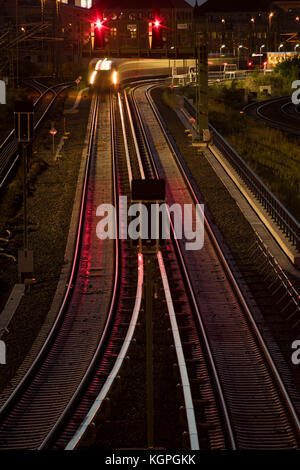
column 289, row 70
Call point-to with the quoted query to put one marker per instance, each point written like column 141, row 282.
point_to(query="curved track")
column 262, row 415
column 9, row 146
column 279, row 113
column 83, row 330
column 233, row 394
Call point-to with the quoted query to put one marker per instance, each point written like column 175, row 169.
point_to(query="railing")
column 289, row 298
column 283, row 218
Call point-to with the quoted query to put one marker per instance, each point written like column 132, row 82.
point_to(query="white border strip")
column 134, row 138
column 119, row 361
column 125, row 140
column 188, row 401
column 234, row 283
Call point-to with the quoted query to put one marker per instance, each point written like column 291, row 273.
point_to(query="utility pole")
column 17, row 44
column 24, row 135
column 201, row 56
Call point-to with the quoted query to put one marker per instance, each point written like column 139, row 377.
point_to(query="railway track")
column 9, row 147
column 279, row 113
column 200, row 411
column 285, row 221
column 86, row 338
column 244, row 403
column 204, row 426
column 232, row 394
column 260, row 409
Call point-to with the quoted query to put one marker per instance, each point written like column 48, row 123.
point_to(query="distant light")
column 98, row 64
column 115, row 77
column 106, row 64
column 99, row 24
column 93, row 76
column 250, row 63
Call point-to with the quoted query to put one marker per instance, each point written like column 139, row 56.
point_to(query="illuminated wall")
column 84, row 3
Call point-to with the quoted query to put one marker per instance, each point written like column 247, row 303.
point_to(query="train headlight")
column 115, row 77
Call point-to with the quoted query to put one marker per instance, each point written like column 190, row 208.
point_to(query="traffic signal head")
column 99, row 24
column 99, row 33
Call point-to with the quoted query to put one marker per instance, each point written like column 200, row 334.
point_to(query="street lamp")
column 271, row 15
column 221, row 48
column 238, row 50
column 261, row 47
column 295, row 48
column 280, row 46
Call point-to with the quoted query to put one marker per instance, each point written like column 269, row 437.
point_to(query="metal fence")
column 281, row 216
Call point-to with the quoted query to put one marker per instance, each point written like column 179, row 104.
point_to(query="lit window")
column 132, row 30
column 83, row 3
column 113, row 32
column 133, row 33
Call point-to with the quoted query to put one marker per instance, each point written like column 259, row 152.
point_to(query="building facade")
column 251, row 26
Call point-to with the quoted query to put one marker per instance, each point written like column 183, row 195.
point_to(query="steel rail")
column 118, row 364
column 141, row 168
column 292, row 116
column 25, row 380
column 264, row 348
column 188, row 401
column 284, row 219
column 194, row 302
column 101, row 344
column 190, row 413
column 138, row 299
column 9, row 141
column 125, row 140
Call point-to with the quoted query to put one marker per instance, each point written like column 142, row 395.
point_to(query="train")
column 114, row 72
column 106, row 72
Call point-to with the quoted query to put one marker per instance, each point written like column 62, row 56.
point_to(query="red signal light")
column 250, row 63
column 99, row 30
column 156, row 23
column 99, row 24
